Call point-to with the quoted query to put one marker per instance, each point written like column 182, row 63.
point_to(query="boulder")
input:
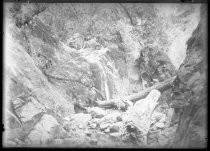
column 141, row 112
column 28, row 111
column 125, row 117
column 58, row 132
column 96, row 112
column 160, row 125
column 46, row 123
column 93, row 125
column 103, row 126
column 35, row 137
column 41, row 131
column 98, row 121
column 119, row 118
column 114, row 117
column 18, row 102
column 107, row 130
column 116, row 127
column 81, row 118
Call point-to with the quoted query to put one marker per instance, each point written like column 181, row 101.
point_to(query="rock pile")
column 101, row 127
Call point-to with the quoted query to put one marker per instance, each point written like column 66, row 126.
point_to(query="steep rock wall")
column 190, row 91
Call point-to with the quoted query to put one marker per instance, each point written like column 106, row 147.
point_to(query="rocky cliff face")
column 190, row 91
column 62, row 58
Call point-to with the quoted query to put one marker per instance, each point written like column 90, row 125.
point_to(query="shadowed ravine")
column 105, row 75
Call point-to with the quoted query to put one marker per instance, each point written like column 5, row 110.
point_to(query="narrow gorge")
column 98, row 75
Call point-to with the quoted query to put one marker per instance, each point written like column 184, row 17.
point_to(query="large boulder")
column 96, row 112
column 140, row 113
column 41, row 132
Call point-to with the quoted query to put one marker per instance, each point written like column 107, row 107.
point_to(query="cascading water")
column 106, row 88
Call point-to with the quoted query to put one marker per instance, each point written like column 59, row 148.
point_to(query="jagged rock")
column 46, row 123
column 35, row 137
column 18, row 102
column 96, row 112
column 41, row 131
column 140, row 113
column 37, row 103
column 160, row 125
column 29, row 110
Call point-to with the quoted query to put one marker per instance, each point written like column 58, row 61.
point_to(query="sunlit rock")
column 140, row 113
column 96, row 112
column 103, row 126
column 28, row 111
column 80, row 119
column 113, row 117
column 41, row 132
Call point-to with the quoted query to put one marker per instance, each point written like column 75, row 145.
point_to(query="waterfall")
column 106, row 87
